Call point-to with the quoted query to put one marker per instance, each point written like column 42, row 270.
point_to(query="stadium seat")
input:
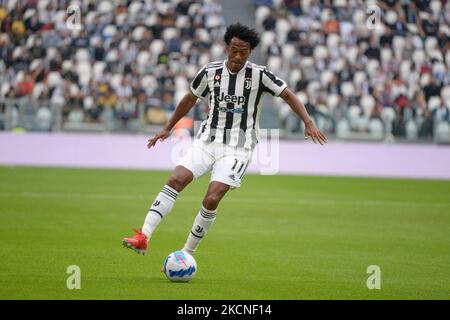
column 98, row 69
column 367, row 104
column 424, row 79
column 434, row 103
column 116, row 80
column 82, row 55
column 354, row 115
column 340, row 3
column 372, row 66
column 217, row 51
column 442, row 132
column 170, row 33
column 274, row 63
column 313, row 88
column 134, row 8
column 436, row 6
column 261, row 13
column 419, row 56
column 35, row 63
column 359, row 78
column 376, row 128
column 112, row 56
column 386, row 55
column 445, row 93
column 405, row 69
column 148, row 81
column 5, row 87
column 105, row 7
column 109, row 31
column 307, row 61
column 282, row 28
column 333, row 101
column 342, row 129
column 439, row 68
column 430, row 43
column 88, row 103
column 320, row 52
column 398, row 44
column 362, row 123
column 143, row 58
column 333, row 41
column 138, row 33
column 84, row 71
column 347, row 89
column 303, row 97
column 156, row 47
column 90, row 17
column 151, row 20
column 194, row 9
column 412, row 131
column 38, row 89
column 53, row 79
column 267, row 38
column 388, row 116
column 359, row 18
column 75, row 116
column 182, row 21
column 325, row 77
column 294, row 76
column 436, row 54
column 203, row 34
column 288, row 51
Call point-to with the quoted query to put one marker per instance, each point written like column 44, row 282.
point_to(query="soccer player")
column 226, row 139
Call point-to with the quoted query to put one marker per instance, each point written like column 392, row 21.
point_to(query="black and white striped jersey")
column 234, row 101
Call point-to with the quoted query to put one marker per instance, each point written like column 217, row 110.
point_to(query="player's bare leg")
column 160, row 208
column 206, row 216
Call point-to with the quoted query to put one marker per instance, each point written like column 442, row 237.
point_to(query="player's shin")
column 202, row 223
column 160, row 208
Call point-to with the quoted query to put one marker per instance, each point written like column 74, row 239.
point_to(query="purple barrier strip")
column 287, row 157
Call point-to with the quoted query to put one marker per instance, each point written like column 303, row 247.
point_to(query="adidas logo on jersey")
column 239, row 100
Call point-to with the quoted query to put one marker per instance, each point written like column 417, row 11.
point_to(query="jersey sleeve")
column 272, row 84
column 199, row 85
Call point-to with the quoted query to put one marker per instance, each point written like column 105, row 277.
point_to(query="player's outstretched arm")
column 297, row 106
column 186, row 104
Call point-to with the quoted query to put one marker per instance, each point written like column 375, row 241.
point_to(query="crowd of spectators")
column 122, row 59
column 358, row 64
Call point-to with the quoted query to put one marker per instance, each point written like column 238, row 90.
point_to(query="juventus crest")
column 248, row 83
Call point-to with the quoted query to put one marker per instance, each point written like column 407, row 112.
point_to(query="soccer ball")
column 180, row 266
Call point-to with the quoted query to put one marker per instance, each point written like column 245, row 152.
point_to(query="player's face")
column 238, row 52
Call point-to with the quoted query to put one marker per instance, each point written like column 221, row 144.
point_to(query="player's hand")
column 316, row 135
column 161, row 136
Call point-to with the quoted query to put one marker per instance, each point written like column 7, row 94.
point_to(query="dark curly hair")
column 243, row 33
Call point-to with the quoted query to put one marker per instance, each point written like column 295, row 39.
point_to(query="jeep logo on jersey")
column 239, row 100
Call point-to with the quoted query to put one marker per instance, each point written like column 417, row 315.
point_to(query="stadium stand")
column 377, row 70
column 124, row 69
column 364, row 69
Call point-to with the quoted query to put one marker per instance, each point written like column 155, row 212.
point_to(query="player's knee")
column 211, row 201
column 179, row 181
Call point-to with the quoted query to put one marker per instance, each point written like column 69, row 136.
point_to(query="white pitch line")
column 318, row 201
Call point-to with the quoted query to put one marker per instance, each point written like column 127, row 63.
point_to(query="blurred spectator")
column 394, row 69
column 83, row 70
column 441, row 113
column 156, row 115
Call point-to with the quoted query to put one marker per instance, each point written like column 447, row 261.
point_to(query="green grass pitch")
column 277, row 237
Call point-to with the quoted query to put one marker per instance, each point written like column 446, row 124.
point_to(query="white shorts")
column 228, row 164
